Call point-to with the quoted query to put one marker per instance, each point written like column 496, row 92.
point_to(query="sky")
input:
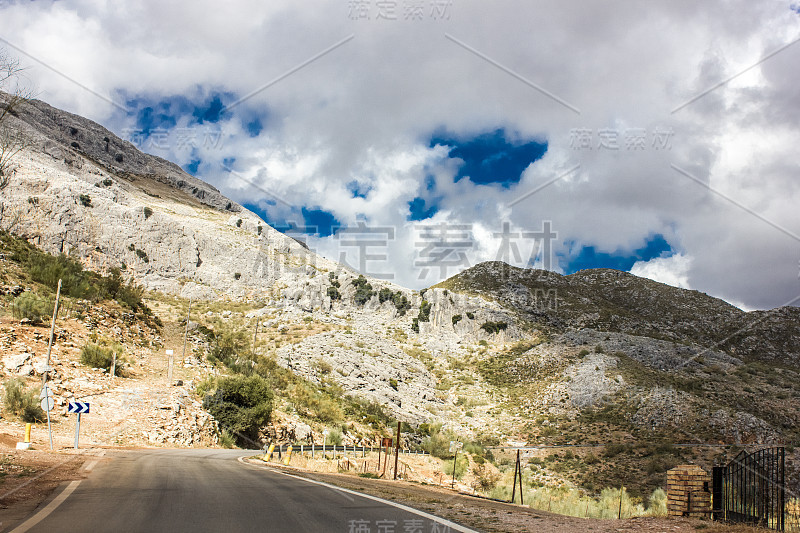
column 413, row 139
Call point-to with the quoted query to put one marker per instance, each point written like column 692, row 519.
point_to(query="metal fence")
column 750, row 489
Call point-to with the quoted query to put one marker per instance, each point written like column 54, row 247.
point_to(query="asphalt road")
column 210, row 490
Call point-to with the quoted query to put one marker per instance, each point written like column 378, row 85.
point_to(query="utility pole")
column 46, row 373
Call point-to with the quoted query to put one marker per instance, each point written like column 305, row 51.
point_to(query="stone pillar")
column 688, row 492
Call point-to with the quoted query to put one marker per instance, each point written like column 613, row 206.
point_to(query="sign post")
column 78, row 407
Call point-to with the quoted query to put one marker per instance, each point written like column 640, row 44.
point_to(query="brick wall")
column 688, row 492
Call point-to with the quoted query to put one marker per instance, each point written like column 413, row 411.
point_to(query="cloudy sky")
column 416, row 138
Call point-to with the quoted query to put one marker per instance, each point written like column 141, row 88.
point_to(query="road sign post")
column 78, row 408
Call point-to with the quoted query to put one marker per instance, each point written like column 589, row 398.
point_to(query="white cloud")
column 365, row 111
column 671, row 270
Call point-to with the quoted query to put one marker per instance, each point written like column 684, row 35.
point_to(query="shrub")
column 493, row 327
column 470, row 315
column 147, row 212
column 141, row 254
column 226, row 440
column 85, row 200
column 21, row 403
column 315, row 404
column 239, row 223
column 438, row 442
column 237, row 275
column 102, row 356
column 583, row 353
column 384, row 294
column 456, row 319
column 260, row 229
column 108, row 182
column 461, row 466
column 333, row 279
column 424, row 311
column 334, row 437
column 33, row 307
column 364, row 290
column 657, row 503
column 415, row 325
column 242, row 405
column 333, row 293
column 118, row 158
column 401, row 303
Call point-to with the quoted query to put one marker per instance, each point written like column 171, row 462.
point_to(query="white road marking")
column 44, row 513
column 452, row 525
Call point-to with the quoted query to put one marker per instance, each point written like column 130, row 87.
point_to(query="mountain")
column 495, row 354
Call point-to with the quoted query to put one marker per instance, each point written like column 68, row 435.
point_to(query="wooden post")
column 521, row 492
column 621, row 489
column 255, row 336
column 514, row 484
column 186, row 332
column 396, row 450
column 46, row 373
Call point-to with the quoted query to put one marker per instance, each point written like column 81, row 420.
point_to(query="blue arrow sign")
column 78, row 407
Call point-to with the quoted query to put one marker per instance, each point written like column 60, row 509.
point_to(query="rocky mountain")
column 497, row 354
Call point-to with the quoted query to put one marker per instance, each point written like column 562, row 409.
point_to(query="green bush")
column 401, row 303
column 657, row 504
column 315, row 404
column 141, row 254
column 493, row 327
column 456, row 319
column 364, row 290
column 102, row 356
column 461, row 466
column 333, row 293
column 85, row 200
column 334, row 437
column 147, row 212
column 384, row 295
column 438, row 442
column 21, row 403
column 242, row 405
column 33, row 307
column 424, row 311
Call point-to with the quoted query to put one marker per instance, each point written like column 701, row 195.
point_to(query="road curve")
column 210, row 490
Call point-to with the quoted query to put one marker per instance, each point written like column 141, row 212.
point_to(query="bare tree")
column 12, row 94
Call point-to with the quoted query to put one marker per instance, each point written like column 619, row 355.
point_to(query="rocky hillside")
column 496, row 354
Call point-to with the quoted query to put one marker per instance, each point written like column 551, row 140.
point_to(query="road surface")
column 210, row 490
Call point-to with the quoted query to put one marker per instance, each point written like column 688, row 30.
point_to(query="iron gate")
column 750, row 489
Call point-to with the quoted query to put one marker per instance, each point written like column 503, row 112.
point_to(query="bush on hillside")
column 21, row 403
column 102, row 356
column 242, row 405
column 33, row 307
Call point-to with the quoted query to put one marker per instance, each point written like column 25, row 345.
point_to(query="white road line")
column 452, row 525
column 44, row 513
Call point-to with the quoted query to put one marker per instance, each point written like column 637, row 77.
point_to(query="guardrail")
column 313, row 449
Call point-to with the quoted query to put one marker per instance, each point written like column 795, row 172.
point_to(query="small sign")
column 78, row 407
column 386, row 442
column 48, row 403
column 46, row 392
column 170, row 352
column 455, row 446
